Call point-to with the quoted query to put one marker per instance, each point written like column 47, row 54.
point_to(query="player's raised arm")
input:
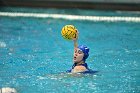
column 75, row 40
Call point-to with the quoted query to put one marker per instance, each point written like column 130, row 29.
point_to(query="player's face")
column 78, row 55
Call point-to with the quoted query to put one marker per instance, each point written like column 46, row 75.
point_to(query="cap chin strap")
column 80, row 62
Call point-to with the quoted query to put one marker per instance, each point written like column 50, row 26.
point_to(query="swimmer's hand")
column 76, row 36
column 75, row 40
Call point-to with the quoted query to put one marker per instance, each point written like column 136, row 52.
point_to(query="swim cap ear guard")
column 85, row 50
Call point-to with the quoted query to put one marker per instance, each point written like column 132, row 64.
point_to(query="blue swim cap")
column 85, row 50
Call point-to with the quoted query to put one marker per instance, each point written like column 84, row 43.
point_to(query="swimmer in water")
column 80, row 55
column 7, row 90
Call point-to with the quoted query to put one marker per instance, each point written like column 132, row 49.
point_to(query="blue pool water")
column 33, row 54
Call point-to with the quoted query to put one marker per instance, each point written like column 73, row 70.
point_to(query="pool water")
column 33, row 54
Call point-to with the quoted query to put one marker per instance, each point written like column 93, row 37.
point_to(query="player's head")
column 81, row 53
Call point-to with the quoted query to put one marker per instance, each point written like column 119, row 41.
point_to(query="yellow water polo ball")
column 68, row 32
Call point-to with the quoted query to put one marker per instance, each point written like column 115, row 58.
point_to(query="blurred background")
column 133, row 5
